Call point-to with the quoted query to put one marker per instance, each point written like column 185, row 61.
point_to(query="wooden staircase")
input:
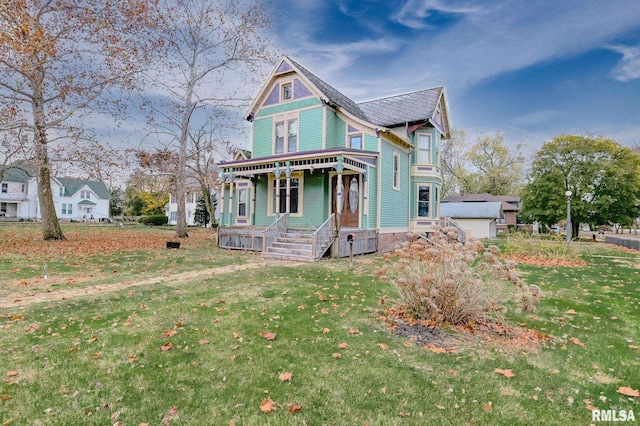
column 291, row 245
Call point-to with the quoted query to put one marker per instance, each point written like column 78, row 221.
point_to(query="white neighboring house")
column 478, row 218
column 191, row 202
column 74, row 199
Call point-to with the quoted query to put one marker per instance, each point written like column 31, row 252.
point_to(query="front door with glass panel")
column 350, row 209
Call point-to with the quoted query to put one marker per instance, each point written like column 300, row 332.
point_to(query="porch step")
column 294, row 246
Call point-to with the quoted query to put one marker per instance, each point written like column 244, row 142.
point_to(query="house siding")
column 289, row 106
column 372, row 220
column 262, row 137
column 310, row 137
column 370, row 143
column 394, row 210
column 336, row 130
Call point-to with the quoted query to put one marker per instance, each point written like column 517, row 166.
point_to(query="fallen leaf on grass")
column 167, row 419
column 294, row 408
column 97, row 355
column 575, row 341
column 168, row 333
column 336, row 355
column 92, row 339
column 487, row 407
column 267, row 405
column 453, row 372
column 343, row 345
column 354, row 331
column 383, row 346
column 167, row 346
column 267, row 335
column 285, row 377
column 12, row 373
column 4, row 397
column 132, row 358
column 570, row 311
column 326, row 330
column 633, row 347
column 433, row 348
column 506, row 373
column 628, row 391
column 203, row 342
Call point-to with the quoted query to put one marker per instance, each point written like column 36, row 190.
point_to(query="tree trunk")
column 51, row 229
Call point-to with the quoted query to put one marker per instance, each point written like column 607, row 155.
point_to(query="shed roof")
column 472, row 210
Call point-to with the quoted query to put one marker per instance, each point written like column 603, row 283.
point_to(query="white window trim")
column 282, row 86
column 429, row 202
column 270, row 183
column 350, row 135
column 285, row 120
column 430, row 150
column 396, row 184
column 246, row 203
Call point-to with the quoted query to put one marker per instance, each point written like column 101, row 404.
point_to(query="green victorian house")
column 327, row 174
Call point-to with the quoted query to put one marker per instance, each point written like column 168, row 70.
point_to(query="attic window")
column 85, row 194
column 287, row 92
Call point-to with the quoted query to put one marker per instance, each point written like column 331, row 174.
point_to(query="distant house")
column 333, row 169
column 478, row 218
column 74, row 199
column 510, row 206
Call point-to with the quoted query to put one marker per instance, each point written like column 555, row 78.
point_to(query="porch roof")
column 352, row 159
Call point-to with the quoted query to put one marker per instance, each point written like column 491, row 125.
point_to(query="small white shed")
column 479, row 218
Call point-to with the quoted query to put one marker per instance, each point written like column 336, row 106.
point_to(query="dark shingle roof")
column 400, row 109
column 333, row 94
column 71, row 186
column 18, row 172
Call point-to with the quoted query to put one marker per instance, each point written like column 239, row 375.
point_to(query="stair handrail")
column 323, row 236
column 273, row 231
column 462, row 233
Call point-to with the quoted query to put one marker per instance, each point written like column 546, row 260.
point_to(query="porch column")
column 231, row 200
column 277, row 194
column 365, row 198
column 339, row 194
column 254, row 184
column 222, row 186
column 288, row 200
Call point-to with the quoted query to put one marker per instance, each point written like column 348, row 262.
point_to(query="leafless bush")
column 445, row 281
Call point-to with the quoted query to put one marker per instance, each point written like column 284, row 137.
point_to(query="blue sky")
column 531, row 69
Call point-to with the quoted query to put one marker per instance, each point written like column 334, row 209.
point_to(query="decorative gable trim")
column 284, row 67
column 274, row 96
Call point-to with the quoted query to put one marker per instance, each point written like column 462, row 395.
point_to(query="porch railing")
column 447, row 222
column 323, row 236
column 274, row 230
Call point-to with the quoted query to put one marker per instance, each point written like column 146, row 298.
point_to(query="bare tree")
column 58, row 58
column 211, row 47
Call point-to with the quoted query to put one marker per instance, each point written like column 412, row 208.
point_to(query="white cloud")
column 414, row 13
column 534, row 117
column 629, row 66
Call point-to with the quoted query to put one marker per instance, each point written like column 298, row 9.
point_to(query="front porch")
column 303, row 244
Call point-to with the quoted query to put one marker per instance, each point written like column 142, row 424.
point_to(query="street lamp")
column 568, row 194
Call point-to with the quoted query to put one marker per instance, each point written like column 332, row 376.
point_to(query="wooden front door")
column 350, row 212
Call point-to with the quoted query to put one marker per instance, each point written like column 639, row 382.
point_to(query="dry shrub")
column 444, row 281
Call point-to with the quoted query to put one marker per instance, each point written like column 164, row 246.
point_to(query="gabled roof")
column 416, row 107
column 71, row 186
column 401, row 109
column 332, row 94
column 471, row 210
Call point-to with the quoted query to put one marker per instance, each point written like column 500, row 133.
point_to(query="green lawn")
column 100, row 359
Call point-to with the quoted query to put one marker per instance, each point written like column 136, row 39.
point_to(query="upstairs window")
column 355, row 141
column 287, row 92
column 424, row 148
column 86, row 195
column 286, row 133
column 5, row 188
column 62, row 191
